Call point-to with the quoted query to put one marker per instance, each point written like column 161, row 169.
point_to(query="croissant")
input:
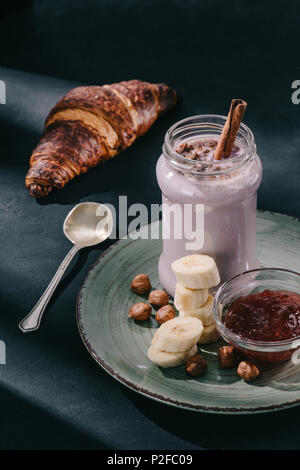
column 91, row 124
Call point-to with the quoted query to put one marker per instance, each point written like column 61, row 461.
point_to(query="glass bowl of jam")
column 258, row 312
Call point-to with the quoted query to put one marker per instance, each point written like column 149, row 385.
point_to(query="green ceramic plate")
column 120, row 345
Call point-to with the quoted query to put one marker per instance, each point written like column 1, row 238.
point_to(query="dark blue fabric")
column 52, row 394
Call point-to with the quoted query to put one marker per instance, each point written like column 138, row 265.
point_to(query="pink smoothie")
column 227, row 190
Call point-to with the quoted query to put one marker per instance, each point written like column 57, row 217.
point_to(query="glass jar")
column 258, row 280
column 208, row 207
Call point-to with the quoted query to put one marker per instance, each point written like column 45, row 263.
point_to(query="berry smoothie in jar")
column 216, row 197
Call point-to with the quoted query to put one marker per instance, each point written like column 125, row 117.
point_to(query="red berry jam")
column 266, row 316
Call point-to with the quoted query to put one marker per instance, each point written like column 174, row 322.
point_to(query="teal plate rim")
column 154, row 396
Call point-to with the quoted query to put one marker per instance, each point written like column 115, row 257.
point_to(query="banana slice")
column 178, row 334
column 196, row 271
column 210, row 335
column 204, row 313
column 169, row 359
column 189, row 299
column 154, row 337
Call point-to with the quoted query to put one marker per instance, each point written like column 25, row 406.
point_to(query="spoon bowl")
column 88, row 223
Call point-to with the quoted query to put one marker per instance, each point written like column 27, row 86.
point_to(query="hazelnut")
column 227, row 357
column 141, row 284
column 247, row 371
column 196, row 365
column 140, row 311
column 158, row 298
column 165, row 313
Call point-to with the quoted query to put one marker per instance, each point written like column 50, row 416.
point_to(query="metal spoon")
column 87, row 224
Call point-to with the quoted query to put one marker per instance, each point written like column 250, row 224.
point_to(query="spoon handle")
column 32, row 321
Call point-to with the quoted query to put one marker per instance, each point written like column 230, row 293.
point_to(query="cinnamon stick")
column 230, row 129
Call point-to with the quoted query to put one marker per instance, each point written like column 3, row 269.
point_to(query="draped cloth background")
column 52, row 394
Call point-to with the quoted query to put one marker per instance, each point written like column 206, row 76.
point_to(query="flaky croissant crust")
column 91, row 124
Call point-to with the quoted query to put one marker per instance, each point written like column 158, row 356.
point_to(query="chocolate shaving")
column 230, row 129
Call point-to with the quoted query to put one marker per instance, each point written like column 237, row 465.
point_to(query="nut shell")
column 247, row 371
column 141, row 284
column 158, row 298
column 196, row 365
column 227, row 356
column 140, row 311
column 164, row 314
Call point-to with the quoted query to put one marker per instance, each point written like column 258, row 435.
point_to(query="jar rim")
column 217, row 166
